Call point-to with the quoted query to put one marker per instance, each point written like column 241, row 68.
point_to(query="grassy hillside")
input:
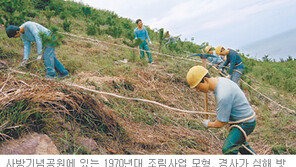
column 65, row 113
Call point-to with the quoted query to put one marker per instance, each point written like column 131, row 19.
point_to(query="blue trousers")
column 236, row 75
column 235, row 139
column 52, row 64
column 144, row 46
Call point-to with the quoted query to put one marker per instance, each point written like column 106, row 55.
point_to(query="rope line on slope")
column 180, row 58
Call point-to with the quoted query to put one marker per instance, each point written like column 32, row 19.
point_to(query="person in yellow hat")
column 236, row 64
column 232, row 107
column 217, row 60
column 169, row 39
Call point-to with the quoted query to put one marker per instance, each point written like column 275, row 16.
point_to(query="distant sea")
column 277, row 47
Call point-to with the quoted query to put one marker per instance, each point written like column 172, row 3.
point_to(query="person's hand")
column 24, row 63
column 228, row 76
column 205, row 122
column 39, row 57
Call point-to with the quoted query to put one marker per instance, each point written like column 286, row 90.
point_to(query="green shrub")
column 48, row 14
column 86, row 11
column 110, row 21
column 92, row 29
column 54, row 39
column 64, row 15
column 115, row 31
column 16, row 12
column 66, row 25
column 40, row 4
column 279, row 149
column 32, row 14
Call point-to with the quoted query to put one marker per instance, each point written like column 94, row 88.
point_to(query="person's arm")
column 232, row 64
column 147, row 36
column 223, row 113
column 35, row 32
column 135, row 34
column 226, row 62
column 27, row 48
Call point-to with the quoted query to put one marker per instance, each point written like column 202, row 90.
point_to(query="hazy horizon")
column 229, row 23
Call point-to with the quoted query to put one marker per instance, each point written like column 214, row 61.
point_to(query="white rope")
column 245, row 135
column 122, row 97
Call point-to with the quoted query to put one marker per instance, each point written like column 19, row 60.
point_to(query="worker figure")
column 142, row 33
column 236, row 64
column 216, row 60
column 232, row 107
column 169, row 39
column 30, row 32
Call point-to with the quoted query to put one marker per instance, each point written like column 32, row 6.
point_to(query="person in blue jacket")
column 215, row 60
column 142, row 33
column 236, row 64
column 30, row 32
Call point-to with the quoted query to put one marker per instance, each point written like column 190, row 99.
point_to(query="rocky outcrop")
column 34, row 143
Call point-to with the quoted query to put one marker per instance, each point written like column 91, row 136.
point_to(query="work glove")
column 24, row 63
column 39, row 57
column 205, row 122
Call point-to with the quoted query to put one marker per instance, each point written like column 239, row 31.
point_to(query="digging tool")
column 204, row 64
column 202, row 56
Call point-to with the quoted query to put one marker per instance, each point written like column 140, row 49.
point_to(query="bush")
column 48, row 14
column 64, row 15
column 92, row 29
column 32, row 14
column 114, row 31
column 110, row 21
column 66, row 25
column 40, row 4
column 56, row 5
column 54, row 40
column 86, row 11
column 15, row 12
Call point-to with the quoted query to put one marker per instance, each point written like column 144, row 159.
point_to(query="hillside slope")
column 64, row 113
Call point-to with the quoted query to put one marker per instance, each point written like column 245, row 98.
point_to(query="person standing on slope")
column 30, row 32
column 232, row 108
column 236, row 64
column 142, row 33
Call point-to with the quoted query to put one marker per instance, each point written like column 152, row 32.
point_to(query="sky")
column 230, row 23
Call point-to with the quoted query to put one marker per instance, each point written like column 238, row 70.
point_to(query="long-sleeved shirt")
column 235, row 61
column 31, row 34
column 212, row 58
column 143, row 34
column 215, row 60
